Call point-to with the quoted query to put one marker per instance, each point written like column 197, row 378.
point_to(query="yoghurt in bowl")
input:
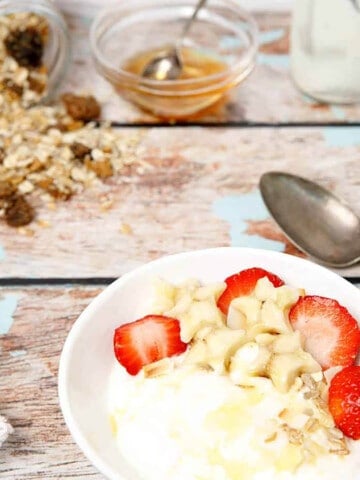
column 203, row 414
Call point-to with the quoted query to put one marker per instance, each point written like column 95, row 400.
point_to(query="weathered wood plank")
column 199, row 190
column 41, row 446
column 268, row 95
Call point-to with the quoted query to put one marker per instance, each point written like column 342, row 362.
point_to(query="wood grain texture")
column 169, row 206
column 268, row 95
column 41, row 446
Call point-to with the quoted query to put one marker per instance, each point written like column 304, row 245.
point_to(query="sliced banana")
column 287, row 343
column 249, row 306
column 264, row 339
column 265, row 290
column 188, row 287
column 273, row 319
column 287, row 296
column 254, row 343
column 222, row 343
column 212, row 291
column 249, row 361
column 284, row 368
column 164, row 296
column 197, row 354
column 200, row 314
column 235, row 318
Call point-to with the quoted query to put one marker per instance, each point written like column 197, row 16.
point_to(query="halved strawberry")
column 243, row 283
column 344, row 401
column 331, row 334
column 147, row 340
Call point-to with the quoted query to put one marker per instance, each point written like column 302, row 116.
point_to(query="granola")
column 39, row 156
column 52, row 151
column 23, row 76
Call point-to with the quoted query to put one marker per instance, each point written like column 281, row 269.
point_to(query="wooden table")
column 200, row 192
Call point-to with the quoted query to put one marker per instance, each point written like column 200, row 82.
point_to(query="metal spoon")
column 316, row 221
column 169, row 65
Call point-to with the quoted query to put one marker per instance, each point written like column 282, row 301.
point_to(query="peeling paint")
column 8, row 304
column 276, row 61
column 270, row 36
column 346, row 136
column 236, row 210
column 338, row 112
column 18, row 353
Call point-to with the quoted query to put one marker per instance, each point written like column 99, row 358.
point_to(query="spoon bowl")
column 169, row 65
column 315, row 220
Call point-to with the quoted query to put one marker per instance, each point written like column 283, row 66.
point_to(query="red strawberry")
column 147, row 340
column 331, row 334
column 243, row 283
column 344, row 401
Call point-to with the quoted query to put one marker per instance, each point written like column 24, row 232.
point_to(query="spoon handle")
column 190, row 21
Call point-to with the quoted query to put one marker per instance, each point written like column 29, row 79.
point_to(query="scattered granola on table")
column 45, row 150
column 23, row 76
column 51, row 151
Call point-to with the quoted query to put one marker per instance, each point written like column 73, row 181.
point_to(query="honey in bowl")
column 175, row 99
column 195, row 63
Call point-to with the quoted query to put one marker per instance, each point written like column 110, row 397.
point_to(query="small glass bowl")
column 57, row 50
column 222, row 31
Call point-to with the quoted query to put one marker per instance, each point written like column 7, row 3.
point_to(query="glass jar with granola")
column 34, row 51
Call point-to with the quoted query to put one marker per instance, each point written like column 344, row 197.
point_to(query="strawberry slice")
column 331, row 334
column 243, row 283
column 147, row 340
column 344, row 401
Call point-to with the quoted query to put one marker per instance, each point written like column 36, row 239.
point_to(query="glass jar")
column 57, row 49
column 325, row 49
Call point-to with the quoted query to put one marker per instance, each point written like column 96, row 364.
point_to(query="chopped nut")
column 283, row 413
column 102, row 169
column 81, row 108
column 36, row 85
column 80, row 150
column 18, row 212
column 106, row 205
column 271, row 438
column 6, row 190
column 43, row 223
column 311, row 425
column 26, row 46
column 296, row 437
column 12, row 87
column 26, row 231
column 340, row 451
column 126, row 229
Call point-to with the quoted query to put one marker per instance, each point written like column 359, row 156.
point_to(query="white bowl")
column 87, row 357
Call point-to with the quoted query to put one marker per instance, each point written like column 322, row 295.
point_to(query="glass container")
column 223, row 33
column 325, row 49
column 57, row 48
